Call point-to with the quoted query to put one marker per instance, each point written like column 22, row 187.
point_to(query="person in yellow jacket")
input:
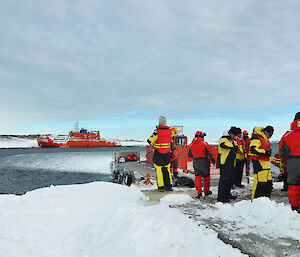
column 226, row 162
column 161, row 140
column 260, row 154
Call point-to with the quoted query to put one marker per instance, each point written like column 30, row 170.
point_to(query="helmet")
column 245, row 132
column 175, row 130
column 198, row 134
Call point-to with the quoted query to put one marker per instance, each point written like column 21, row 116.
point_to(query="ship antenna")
column 76, row 126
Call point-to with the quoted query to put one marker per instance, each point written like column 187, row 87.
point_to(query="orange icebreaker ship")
column 83, row 138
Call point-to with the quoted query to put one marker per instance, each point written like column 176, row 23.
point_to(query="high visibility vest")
column 264, row 145
column 164, row 138
column 241, row 144
column 278, row 162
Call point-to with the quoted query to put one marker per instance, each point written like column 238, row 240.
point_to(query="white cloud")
column 62, row 61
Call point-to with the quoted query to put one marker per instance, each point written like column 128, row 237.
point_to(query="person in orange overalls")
column 200, row 151
column 289, row 150
column 247, row 144
column 174, row 161
column 174, row 156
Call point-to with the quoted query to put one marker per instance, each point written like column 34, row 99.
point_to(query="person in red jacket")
column 247, row 144
column 200, row 151
column 289, row 150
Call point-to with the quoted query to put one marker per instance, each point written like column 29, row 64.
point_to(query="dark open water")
column 22, row 170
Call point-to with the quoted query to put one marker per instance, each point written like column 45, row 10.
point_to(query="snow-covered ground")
column 262, row 227
column 262, row 216
column 18, row 143
column 101, row 219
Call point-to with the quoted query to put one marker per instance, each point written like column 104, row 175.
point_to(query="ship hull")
column 76, row 144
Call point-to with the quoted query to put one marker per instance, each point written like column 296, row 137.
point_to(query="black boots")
column 208, row 193
column 233, row 197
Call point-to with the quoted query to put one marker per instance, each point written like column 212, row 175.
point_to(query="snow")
column 18, row 143
column 176, row 199
column 101, row 219
column 261, row 216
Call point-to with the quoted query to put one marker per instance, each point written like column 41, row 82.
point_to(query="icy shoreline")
column 16, row 142
column 29, row 142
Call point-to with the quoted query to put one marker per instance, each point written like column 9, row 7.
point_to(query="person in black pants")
column 227, row 154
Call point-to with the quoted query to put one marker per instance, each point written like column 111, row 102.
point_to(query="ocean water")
column 22, row 170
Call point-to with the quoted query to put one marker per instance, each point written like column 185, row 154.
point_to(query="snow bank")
column 263, row 216
column 176, row 199
column 100, row 219
column 18, row 143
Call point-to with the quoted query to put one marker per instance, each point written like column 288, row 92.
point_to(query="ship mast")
column 76, row 127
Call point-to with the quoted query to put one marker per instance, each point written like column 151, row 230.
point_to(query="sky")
column 116, row 66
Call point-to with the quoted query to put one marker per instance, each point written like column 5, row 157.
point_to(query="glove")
column 280, row 177
column 269, row 153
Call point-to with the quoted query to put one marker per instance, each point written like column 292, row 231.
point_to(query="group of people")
column 235, row 151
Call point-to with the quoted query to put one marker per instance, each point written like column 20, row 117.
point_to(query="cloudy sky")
column 117, row 65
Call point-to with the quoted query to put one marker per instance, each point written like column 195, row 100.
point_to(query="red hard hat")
column 245, row 132
column 198, row 133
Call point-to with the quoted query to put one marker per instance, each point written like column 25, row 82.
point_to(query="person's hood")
column 295, row 125
column 259, row 131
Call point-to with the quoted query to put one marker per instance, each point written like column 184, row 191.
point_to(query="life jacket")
column 265, row 145
column 241, row 144
column 198, row 148
column 164, row 138
column 247, row 144
column 280, row 163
